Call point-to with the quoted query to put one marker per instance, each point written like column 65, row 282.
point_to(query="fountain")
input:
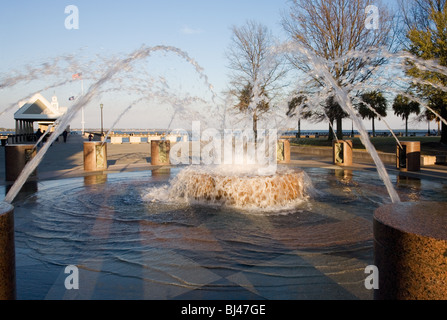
column 241, row 188
column 260, row 221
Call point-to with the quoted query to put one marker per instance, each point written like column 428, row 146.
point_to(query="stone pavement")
column 65, row 160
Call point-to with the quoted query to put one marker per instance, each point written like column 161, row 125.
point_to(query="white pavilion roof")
column 39, row 109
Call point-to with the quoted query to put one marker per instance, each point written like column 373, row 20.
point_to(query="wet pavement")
column 295, row 268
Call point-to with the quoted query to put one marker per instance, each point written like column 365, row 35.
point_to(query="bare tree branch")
column 256, row 71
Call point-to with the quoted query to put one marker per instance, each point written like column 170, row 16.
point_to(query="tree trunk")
column 406, row 127
column 444, row 133
column 331, row 132
column 255, row 126
column 373, row 127
column 444, row 126
column 340, row 128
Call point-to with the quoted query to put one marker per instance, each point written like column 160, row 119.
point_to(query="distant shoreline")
column 415, row 132
column 399, row 132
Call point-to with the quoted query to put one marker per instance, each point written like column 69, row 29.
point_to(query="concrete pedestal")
column 7, row 253
column 408, row 158
column 283, row 151
column 95, row 156
column 160, row 150
column 410, row 247
column 16, row 158
column 342, row 152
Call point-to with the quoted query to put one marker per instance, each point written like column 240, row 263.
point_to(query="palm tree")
column 429, row 117
column 373, row 104
column 404, row 107
column 334, row 112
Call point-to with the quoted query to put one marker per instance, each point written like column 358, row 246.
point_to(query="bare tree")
column 415, row 14
column 256, row 71
column 331, row 29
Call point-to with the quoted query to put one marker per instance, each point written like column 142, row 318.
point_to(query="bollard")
column 283, row 151
column 342, row 152
column 16, row 158
column 95, row 156
column 160, row 150
column 7, row 253
column 116, row 140
column 410, row 251
column 408, row 158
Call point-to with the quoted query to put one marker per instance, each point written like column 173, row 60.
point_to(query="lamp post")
column 102, row 129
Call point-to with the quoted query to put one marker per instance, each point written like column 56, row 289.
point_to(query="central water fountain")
column 244, row 189
column 211, row 228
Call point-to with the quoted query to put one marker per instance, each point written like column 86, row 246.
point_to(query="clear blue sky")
column 34, row 31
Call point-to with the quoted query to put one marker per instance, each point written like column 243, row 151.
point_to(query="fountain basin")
column 7, row 253
column 132, row 240
column 410, row 244
column 245, row 189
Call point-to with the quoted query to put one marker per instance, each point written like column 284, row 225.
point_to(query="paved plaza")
column 321, row 278
column 65, row 160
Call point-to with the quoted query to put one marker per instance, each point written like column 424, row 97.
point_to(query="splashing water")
column 320, row 70
column 95, row 89
column 236, row 187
